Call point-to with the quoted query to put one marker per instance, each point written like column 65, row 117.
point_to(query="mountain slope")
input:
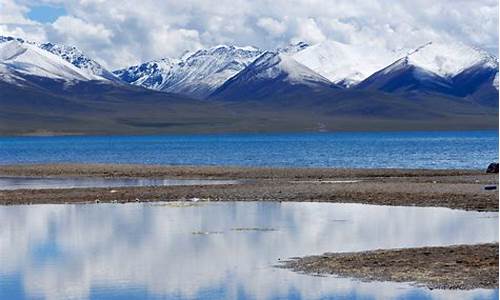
column 151, row 75
column 89, row 67
column 55, row 89
column 74, row 56
column 293, row 48
column 89, row 107
column 402, row 76
column 451, row 69
column 448, row 59
column 480, row 82
column 344, row 64
column 196, row 74
column 115, row 109
column 19, row 59
column 273, row 75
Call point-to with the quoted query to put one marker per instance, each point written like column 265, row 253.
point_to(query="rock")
column 492, row 168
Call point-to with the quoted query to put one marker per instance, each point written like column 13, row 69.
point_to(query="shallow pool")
column 203, row 250
column 17, row 183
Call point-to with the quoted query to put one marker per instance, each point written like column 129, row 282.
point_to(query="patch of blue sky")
column 46, row 13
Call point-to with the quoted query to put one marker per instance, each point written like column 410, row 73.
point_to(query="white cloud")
column 272, row 26
column 11, row 12
column 121, row 32
column 309, row 31
column 14, row 23
column 76, row 30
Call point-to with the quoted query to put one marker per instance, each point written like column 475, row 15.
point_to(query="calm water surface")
column 469, row 149
column 215, row 250
column 16, row 183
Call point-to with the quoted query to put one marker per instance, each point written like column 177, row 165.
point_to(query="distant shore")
column 462, row 267
column 458, row 189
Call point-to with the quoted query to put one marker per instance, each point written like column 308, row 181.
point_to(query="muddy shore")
column 460, row 189
column 453, row 267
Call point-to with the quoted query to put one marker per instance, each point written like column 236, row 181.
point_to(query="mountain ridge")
column 241, row 89
column 272, row 73
column 351, row 66
column 453, row 68
column 71, row 54
column 198, row 73
column 421, row 71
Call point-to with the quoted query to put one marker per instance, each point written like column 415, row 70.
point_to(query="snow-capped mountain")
column 293, row 48
column 402, row 76
column 88, row 69
column 76, row 57
column 272, row 75
column 301, row 87
column 152, row 75
column 19, row 59
column 430, row 67
column 480, row 81
column 451, row 68
column 449, row 59
column 344, row 64
column 196, row 74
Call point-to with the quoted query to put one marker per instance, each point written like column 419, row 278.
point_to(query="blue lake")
column 469, row 149
column 204, row 250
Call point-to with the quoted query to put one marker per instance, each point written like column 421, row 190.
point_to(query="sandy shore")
column 461, row 189
column 454, row 267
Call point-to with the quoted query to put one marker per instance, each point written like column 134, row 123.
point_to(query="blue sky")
column 45, row 13
column 119, row 33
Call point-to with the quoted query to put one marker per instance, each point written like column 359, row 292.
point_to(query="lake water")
column 36, row 183
column 215, row 250
column 469, row 149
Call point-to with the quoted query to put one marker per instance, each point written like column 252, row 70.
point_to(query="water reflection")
column 149, row 250
column 16, row 183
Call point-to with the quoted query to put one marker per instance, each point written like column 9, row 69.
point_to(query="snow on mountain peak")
column 344, row 64
column 196, row 74
column 28, row 59
column 4, row 39
column 271, row 75
column 225, row 50
column 230, row 47
column 293, row 48
column 271, row 65
column 207, row 69
column 76, row 57
column 199, row 73
column 448, row 59
column 91, row 69
column 151, row 74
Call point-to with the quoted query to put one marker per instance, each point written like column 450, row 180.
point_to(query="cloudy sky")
column 121, row 32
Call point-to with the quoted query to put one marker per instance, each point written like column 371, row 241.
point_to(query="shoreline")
column 463, row 267
column 228, row 172
column 456, row 189
column 55, row 133
column 450, row 267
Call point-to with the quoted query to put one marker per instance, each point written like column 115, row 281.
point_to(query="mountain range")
column 327, row 86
